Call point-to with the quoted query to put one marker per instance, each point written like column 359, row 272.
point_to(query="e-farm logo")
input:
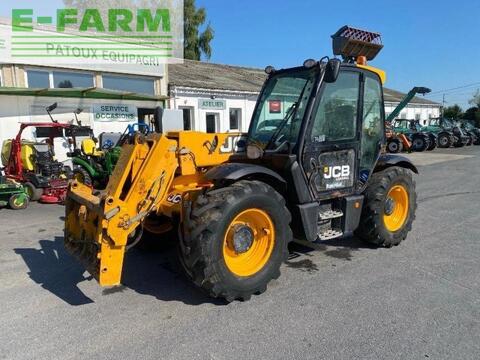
column 142, row 36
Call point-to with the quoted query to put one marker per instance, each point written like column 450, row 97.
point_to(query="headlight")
column 254, row 152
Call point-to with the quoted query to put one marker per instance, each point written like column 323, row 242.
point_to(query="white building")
column 110, row 95
column 222, row 98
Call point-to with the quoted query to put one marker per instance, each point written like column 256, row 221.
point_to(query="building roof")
column 204, row 75
column 89, row 93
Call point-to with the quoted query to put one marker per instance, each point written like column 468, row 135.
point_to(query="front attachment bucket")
column 86, row 236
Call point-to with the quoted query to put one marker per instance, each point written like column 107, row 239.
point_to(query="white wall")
column 412, row 111
column 19, row 109
column 244, row 102
column 247, row 104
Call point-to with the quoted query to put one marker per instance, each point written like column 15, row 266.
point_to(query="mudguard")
column 388, row 160
column 237, row 171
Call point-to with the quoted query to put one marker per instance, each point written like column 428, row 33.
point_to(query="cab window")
column 336, row 116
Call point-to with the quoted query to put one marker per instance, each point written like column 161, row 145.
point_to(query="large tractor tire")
column 32, row 191
column 470, row 140
column 394, row 146
column 82, row 176
column 420, row 144
column 389, row 207
column 445, row 141
column 236, row 240
column 433, row 142
column 458, row 143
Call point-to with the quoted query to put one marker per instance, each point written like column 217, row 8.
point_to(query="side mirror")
column 332, row 69
column 158, row 120
column 52, row 107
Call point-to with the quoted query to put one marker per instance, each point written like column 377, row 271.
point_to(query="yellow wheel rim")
column 396, row 212
column 254, row 259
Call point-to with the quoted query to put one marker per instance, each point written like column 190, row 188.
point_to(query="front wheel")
column 236, row 240
column 444, row 141
column 389, row 207
column 394, row 146
column 18, row 201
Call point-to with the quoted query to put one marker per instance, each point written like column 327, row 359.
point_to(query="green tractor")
column 471, row 130
column 13, row 194
column 93, row 167
column 420, row 140
column 448, row 133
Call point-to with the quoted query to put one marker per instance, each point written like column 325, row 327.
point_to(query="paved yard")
column 335, row 300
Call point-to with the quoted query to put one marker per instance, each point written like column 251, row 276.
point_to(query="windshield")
column 448, row 123
column 281, row 108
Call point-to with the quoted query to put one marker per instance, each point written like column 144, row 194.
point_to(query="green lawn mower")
column 13, row 195
column 92, row 166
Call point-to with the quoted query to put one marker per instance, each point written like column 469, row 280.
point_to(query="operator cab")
column 324, row 116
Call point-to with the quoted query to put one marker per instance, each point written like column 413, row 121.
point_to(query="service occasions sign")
column 114, row 112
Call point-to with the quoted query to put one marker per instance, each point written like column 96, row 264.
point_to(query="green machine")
column 13, row 195
column 411, row 94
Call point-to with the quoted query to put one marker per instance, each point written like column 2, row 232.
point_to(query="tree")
column 453, row 112
column 197, row 35
column 197, row 42
column 475, row 100
column 473, row 113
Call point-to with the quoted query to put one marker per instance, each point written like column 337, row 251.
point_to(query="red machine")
column 49, row 181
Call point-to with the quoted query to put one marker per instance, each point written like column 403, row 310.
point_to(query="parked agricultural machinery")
column 13, row 194
column 419, row 140
column 448, row 133
column 33, row 164
column 469, row 129
column 404, row 140
column 93, row 166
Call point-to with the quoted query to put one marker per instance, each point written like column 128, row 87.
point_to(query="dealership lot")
column 336, row 299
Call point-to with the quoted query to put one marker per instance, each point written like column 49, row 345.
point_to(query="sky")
column 426, row 43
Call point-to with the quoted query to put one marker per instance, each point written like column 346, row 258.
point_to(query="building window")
column 187, row 118
column 139, row 85
column 417, row 116
column 403, row 115
column 235, row 119
column 63, row 79
column 38, row 79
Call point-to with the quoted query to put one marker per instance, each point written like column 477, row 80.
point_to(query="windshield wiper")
column 287, row 117
column 290, row 112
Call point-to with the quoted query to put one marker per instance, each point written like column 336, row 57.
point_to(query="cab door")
column 373, row 126
column 332, row 141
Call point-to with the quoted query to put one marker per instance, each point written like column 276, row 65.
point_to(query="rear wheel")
column 32, row 191
column 18, row 201
column 419, row 143
column 82, row 176
column 433, row 142
column 389, row 207
column 394, row 146
column 236, row 240
column 444, row 141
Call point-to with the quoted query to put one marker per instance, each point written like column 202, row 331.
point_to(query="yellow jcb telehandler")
column 313, row 168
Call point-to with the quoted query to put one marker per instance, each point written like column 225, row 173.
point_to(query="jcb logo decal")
column 233, row 144
column 174, row 198
column 336, row 172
